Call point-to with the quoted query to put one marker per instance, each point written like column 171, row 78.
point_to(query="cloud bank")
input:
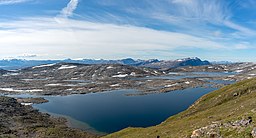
column 50, row 39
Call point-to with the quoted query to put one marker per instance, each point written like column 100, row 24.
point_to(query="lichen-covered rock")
column 207, row 131
column 213, row 130
column 253, row 133
column 243, row 122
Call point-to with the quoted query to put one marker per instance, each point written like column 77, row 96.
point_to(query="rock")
column 253, row 133
column 196, row 133
column 242, row 123
column 213, row 135
column 38, row 100
column 235, row 94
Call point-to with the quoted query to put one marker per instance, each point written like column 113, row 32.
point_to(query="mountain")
column 21, row 63
column 2, row 71
column 192, row 62
column 178, row 63
column 151, row 63
column 227, row 112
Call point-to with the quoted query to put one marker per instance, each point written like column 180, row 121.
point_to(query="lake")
column 112, row 111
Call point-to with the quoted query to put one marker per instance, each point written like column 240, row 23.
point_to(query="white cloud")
column 68, row 11
column 72, row 38
column 197, row 17
column 213, row 11
column 7, row 2
column 245, row 31
column 242, row 45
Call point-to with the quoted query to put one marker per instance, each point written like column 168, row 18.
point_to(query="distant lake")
column 112, row 111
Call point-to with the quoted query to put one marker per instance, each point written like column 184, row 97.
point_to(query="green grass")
column 220, row 105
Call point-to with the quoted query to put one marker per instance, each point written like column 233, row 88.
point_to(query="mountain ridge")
column 13, row 64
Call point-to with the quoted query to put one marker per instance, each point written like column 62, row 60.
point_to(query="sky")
column 216, row 30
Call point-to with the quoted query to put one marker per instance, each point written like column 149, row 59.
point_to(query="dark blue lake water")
column 112, row 111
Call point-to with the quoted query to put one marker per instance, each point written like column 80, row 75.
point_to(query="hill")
column 227, row 112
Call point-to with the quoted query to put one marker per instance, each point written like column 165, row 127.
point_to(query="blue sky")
column 114, row 29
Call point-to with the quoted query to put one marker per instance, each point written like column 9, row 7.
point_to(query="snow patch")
column 26, row 104
column 11, row 74
column 14, row 90
column 46, row 65
column 187, row 82
column 120, row 76
column 35, row 90
column 171, row 85
column 110, row 67
column 146, row 70
column 66, row 67
column 238, row 71
column 115, row 85
column 54, row 84
column 133, row 74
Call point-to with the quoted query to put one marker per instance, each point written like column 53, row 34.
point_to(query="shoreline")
column 19, row 120
column 72, row 122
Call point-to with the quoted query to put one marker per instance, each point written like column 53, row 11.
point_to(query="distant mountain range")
column 152, row 63
column 177, row 63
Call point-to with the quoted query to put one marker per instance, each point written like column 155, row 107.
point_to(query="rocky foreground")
column 20, row 121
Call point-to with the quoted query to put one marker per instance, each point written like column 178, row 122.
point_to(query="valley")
column 105, row 98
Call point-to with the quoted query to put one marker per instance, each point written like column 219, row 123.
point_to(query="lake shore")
column 23, row 121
